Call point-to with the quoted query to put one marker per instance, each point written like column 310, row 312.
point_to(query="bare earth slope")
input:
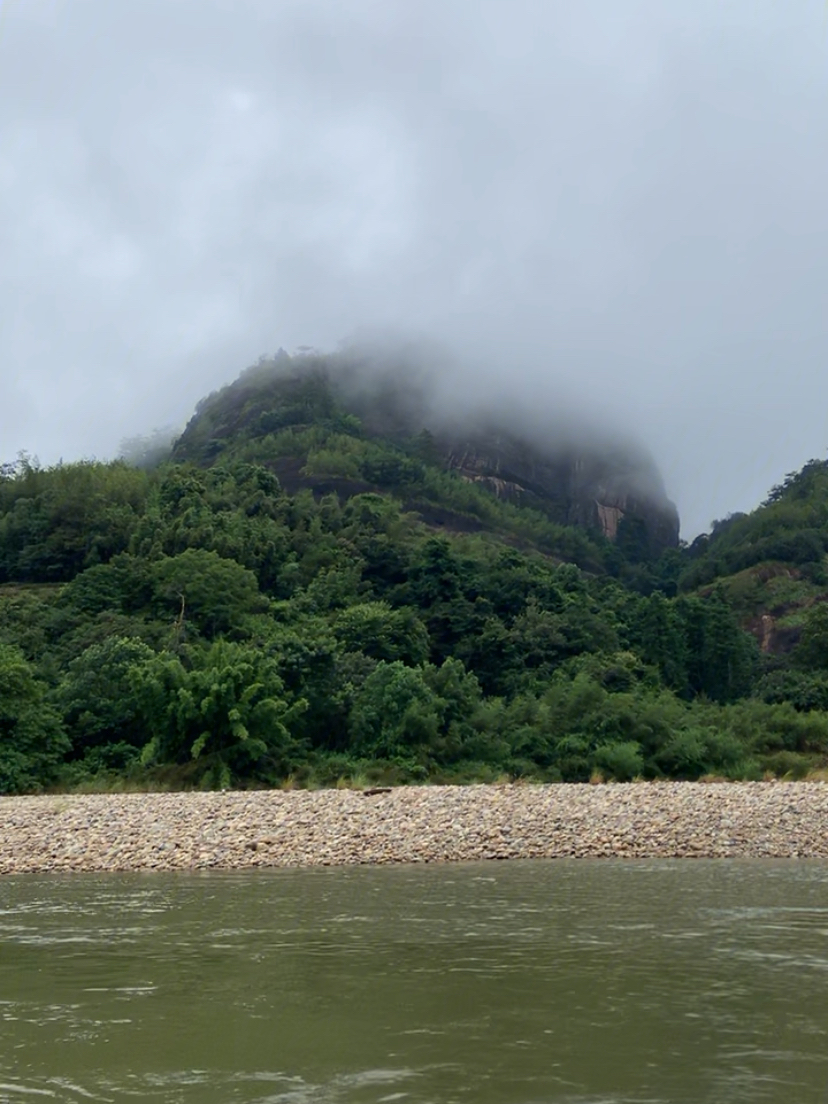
column 411, row 824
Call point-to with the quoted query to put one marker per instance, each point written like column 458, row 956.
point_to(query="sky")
column 616, row 210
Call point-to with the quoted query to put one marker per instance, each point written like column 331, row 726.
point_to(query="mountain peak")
column 317, row 418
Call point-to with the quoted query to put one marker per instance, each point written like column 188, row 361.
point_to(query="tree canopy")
column 291, row 598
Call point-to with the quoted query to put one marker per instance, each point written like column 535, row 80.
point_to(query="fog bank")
column 611, row 211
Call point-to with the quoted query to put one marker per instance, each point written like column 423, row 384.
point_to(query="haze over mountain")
column 607, row 213
column 333, row 412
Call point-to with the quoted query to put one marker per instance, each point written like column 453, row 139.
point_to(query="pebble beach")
column 242, row 830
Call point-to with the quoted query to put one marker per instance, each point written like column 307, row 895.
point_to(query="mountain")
column 607, row 488
column 335, row 577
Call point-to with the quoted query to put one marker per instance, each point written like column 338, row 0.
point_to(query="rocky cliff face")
column 605, row 486
column 588, row 485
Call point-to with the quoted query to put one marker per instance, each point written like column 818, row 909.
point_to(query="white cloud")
column 620, row 204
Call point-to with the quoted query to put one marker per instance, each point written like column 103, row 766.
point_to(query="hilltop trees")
column 199, row 625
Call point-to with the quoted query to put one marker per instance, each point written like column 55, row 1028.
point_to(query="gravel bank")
column 411, row 824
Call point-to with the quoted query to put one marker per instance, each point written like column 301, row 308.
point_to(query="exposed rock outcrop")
column 590, row 485
column 602, row 485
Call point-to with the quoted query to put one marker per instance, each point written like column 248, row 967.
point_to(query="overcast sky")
column 622, row 204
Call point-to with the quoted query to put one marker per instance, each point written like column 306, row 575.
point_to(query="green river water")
column 498, row 983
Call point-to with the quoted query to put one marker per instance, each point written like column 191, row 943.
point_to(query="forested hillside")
column 313, row 588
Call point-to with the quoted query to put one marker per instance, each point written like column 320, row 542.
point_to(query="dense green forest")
column 289, row 596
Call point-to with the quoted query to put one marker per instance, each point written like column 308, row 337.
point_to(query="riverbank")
column 228, row 831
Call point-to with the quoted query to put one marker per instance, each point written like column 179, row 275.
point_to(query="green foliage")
column 812, row 651
column 425, row 716
column 659, row 631
column 722, row 659
column 27, row 616
column 213, row 594
column 395, row 714
column 97, row 697
column 227, row 713
column 622, row 762
column 32, row 739
column 805, row 690
column 296, row 595
column 56, row 522
column 383, row 633
column 791, row 526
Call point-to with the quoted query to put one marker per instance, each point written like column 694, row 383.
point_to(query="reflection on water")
column 521, row 983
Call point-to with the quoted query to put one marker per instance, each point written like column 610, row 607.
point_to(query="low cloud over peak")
column 617, row 205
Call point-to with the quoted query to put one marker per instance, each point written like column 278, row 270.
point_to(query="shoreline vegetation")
column 313, row 588
column 241, row 830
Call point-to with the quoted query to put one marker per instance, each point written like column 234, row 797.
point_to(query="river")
column 584, row 982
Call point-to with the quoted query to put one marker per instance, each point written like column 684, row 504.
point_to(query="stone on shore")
column 240, row 830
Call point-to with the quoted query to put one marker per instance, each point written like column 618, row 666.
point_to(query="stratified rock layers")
column 230, row 831
column 589, row 485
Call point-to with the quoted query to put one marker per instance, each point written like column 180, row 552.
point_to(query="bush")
column 623, row 762
column 32, row 739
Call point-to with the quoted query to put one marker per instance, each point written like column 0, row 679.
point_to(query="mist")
column 445, row 389
column 612, row 211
